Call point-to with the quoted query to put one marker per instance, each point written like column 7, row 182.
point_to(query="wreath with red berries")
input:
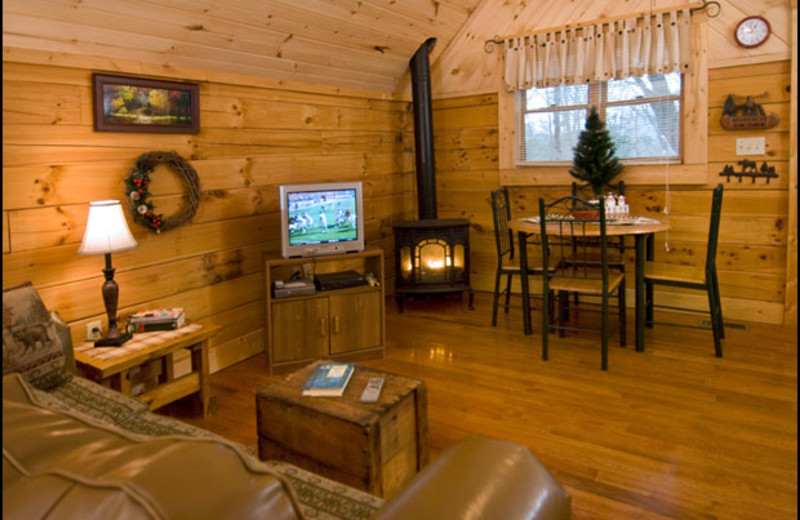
column 137, row 189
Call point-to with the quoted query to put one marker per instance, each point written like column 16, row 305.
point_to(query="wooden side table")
column 376, row 447
column 152, row 353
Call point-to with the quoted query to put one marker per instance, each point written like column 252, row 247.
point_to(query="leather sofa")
column 68, row 454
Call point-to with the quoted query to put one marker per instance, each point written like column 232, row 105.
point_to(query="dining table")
column 643, row 229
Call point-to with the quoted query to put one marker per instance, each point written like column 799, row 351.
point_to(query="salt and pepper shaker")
column 623, row 205
column 611, row 204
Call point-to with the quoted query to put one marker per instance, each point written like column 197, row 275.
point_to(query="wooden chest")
column 376, row 447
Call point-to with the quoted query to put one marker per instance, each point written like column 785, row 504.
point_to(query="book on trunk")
column 328, row 379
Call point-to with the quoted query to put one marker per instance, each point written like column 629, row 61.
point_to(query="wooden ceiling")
column 363, row 44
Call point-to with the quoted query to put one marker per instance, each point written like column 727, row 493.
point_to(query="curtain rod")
column 713, row 7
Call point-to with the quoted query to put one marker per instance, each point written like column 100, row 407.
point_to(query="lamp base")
column 113, row 342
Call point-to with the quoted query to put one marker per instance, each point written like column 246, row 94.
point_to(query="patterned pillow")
column 31, row 343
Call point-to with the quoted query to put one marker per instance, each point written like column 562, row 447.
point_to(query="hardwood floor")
column 670, row 433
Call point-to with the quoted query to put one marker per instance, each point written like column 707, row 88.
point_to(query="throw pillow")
column 21, row 305
column 31, row 344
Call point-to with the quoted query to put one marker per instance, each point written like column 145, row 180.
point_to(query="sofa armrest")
column 66, row 341
column 481, row 478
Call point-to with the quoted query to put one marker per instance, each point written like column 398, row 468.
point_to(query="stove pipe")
column 423, row 130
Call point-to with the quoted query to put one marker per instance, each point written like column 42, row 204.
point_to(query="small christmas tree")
column 594, row 161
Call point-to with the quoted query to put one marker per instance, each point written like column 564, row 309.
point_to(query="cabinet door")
column 356, row 321
column 299, row 330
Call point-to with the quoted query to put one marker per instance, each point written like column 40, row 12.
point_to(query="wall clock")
column 752, row 32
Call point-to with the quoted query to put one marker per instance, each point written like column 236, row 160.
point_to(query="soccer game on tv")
column 317, row 217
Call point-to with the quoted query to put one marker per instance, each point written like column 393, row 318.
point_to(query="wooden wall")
column 752, row 256
column 253, row 137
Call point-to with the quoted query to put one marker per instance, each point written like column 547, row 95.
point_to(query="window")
column 642, row 114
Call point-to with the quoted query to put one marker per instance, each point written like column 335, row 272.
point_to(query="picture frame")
column 132, row 104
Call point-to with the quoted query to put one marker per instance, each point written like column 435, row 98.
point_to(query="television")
column 321, row 219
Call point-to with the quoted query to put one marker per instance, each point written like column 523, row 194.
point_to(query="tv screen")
column 320, row 219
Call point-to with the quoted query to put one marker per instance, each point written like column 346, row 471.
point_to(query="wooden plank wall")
column 252, row 139
column 752, row 257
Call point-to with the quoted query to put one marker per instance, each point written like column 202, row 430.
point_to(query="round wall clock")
column 752, row 32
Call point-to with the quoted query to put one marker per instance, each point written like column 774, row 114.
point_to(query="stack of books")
column 157, row 319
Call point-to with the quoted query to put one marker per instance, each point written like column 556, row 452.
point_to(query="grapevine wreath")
column 137, row 188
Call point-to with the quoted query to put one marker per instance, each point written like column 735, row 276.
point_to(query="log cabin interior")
column 320, row 91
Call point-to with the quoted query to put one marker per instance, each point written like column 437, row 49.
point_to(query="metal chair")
column 504, row 239
column 697, row 278
column 562, row 235
column 617, row 261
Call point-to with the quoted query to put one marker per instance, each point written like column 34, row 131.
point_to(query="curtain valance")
column 652, row 44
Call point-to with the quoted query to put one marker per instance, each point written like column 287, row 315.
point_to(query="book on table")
column 157, row 319
column 328, row 380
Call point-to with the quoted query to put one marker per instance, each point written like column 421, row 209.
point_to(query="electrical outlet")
column 94, row 329
column 750, row 145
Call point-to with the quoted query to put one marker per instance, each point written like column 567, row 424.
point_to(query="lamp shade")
column 106, row 229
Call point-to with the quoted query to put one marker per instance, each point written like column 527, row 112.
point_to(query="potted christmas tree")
column 595, row 161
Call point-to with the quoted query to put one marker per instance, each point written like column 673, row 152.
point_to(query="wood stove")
column 431, row 254
column 432, row 257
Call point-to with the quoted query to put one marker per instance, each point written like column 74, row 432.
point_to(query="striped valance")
column 652, row 44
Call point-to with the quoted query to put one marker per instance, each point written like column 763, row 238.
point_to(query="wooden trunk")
column 376, row 447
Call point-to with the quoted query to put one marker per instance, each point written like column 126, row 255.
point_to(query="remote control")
column 373, row 390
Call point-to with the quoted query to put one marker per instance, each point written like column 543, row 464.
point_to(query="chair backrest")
column 501, row 210
column 713, row 228
column 561, row 225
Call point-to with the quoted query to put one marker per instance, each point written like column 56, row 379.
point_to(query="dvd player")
column 288, row 288
column 340, row 280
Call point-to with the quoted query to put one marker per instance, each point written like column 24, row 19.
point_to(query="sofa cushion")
column 130, row 476
column 36, row 496
column 32, row 345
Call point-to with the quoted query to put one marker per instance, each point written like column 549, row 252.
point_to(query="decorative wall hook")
column 749, row 169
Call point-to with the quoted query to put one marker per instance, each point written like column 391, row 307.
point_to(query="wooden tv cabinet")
column 342, row 324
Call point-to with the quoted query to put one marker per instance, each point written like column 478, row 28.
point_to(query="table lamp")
column 106, row 233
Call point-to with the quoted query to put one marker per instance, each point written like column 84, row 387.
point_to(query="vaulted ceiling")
column 364, row 44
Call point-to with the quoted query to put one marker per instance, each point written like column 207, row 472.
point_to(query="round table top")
column 617, row 227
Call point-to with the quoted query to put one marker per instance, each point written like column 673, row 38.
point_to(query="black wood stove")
column 431, row 254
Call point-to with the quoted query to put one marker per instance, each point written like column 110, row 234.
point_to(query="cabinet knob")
column 322, row 327
column 336, row 324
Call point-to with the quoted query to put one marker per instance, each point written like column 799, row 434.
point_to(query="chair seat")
column 515, row 269
column 585, row 285
column 593, row 261
column 675, row 273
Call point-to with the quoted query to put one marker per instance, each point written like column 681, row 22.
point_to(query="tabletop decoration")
column 137, row 188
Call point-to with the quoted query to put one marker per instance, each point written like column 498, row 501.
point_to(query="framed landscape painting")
column 126, row 104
